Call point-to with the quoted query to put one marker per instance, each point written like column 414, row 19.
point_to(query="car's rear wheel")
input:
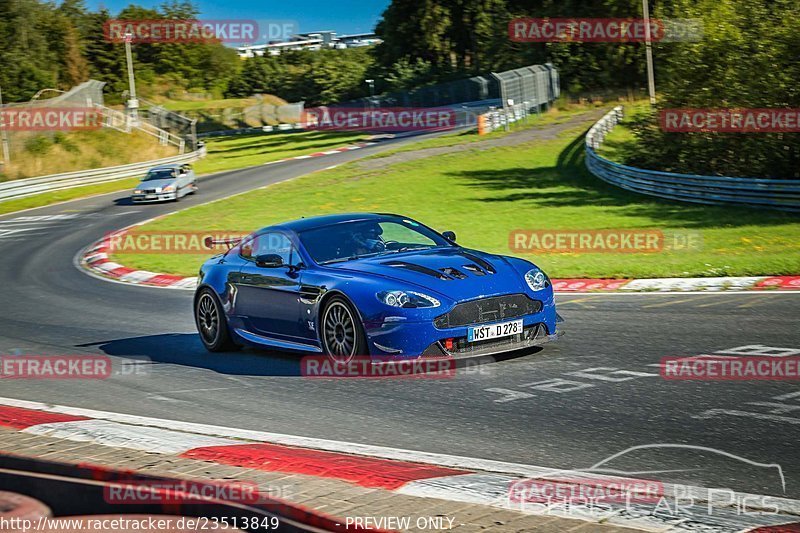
column 211, row 324
column 342, row 332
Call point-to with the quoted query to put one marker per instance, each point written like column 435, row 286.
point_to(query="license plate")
column 150, row 197
column 494, row 331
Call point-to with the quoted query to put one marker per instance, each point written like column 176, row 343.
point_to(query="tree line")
column 46, row 45
column 60, row 45
column 749, row 56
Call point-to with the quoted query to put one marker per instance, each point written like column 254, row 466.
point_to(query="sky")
column 341, row 16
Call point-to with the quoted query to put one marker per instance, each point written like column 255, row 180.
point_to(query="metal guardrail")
column 496, row 118
column 121, row 122
column 278, row 128
column 712, row 190
column 28, row 187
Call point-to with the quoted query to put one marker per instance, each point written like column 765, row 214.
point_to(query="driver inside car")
column 368, row 239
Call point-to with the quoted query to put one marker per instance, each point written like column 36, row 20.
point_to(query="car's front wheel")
column 211, row 324
column 342, row 332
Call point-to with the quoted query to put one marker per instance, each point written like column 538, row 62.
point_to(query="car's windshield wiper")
column 384, row 252
column 351, row 258
column 408, row 248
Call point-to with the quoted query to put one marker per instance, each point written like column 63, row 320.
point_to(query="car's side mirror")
column 269, row 261
column 450, row 236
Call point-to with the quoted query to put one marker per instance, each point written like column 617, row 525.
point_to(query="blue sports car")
column 370, row 285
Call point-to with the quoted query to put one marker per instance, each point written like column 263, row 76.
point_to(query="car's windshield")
column 161, row 174
column 363, row 238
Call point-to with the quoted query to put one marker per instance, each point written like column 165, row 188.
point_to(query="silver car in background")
column 166, row 182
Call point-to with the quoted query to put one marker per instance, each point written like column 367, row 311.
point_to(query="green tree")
column 106, row 59
column 749, row 57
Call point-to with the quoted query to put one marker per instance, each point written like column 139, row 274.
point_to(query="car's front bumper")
column 396, row 336
column 159, row 197
column 534, row 335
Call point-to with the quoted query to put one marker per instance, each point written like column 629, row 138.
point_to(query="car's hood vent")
column 453, row 273
column 481, row 262
column 475, row 269
column 479, row 267
column 418, row 268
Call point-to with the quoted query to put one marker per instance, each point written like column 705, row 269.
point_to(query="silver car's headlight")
column 536, row 279
column 407, row 299
column 137, row 191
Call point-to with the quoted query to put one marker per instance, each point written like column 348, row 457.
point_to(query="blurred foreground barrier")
column 751, row 192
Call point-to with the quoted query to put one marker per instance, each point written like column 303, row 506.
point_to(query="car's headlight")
column 536, row 279
column 168, row 188
column 137, row 191
column 407, row 299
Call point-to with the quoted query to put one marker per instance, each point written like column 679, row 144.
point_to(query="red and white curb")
column 422, row 474
column 96, row 259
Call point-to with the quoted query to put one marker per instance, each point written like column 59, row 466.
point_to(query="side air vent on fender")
column 309, row 293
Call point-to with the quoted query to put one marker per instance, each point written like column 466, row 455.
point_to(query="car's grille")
column 488, row 310
column 149, row 191
column 530, row 334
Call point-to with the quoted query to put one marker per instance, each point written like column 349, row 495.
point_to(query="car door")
column 268, row 298
column 187, row 176
column 191, row 179
column 182, row 182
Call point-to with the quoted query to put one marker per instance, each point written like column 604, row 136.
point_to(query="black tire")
column 209, row 318
column 341, row 331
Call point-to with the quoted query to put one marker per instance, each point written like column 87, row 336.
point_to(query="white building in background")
column 316, row 40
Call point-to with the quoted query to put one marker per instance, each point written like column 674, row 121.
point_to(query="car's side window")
column 246, row 247
column 269, row 243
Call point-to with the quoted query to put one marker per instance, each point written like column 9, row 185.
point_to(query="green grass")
column 620, row 141
column 552, row 116
column 39, row 154
column 224, row 153
column 483, row 195
column 199, row 105
column 229, row 153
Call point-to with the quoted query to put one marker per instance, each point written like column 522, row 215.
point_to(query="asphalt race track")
column 594, row 393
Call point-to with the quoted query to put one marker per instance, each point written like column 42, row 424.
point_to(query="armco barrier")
column 56, row 182
column 751, row 192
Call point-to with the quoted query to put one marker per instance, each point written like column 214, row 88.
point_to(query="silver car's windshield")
column 159, row 175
